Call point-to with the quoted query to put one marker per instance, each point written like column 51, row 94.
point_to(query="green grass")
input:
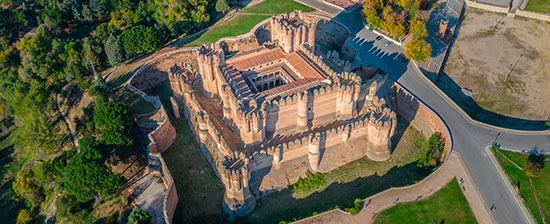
column 132, row 100
column 277, row 7
column 200, row 192
column 448, row 205
column 242, row 24
column 518, row 177
column 358, row 179
column 538, row 6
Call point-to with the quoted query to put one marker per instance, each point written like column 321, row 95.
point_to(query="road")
column 469, row 139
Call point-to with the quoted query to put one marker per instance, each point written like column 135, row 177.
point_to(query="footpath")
column 451, row 169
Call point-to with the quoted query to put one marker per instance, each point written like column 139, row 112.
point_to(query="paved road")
column 469, row 139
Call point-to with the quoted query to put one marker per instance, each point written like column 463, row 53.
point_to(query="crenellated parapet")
column 381, row 128
column 238, row 199
column 290, row 30
column 210, row 57
column 251, row 126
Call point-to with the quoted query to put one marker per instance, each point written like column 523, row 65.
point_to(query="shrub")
column 138, row 216
column 434, row 151
column 436, row 6
column 355, row 209
column 534, row 165
column 311, row 181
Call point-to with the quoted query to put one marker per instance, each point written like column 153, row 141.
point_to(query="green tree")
column 66, row 205
column 534, row 164
column 88, row 179
column 114, row 51
column 434, row 151
column 221, row 6
column 418, row 50
column 138, row 216
column 140, row 39
column 116, row 136
column 109, row 115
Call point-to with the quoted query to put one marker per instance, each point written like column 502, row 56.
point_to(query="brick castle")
column 266, row 116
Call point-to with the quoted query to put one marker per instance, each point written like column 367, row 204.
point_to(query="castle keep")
column 267, row 115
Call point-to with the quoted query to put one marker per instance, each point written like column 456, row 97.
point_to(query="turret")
column 210, row 59
column 238, row 200
column 290, row 35
column 314, row 151
column 252, row 127
column 381, row 128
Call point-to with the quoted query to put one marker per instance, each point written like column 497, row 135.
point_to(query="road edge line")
column 508, row 182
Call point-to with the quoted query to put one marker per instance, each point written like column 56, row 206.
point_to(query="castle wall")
column 420, row 116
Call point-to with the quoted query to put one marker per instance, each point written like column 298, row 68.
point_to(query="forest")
column 47, row 45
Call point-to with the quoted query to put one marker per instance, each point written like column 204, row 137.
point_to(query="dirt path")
column 451, row 169
column 72, row 130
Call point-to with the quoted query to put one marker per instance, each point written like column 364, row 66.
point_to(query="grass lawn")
column 199, row 190
column 538, row 6
column 359, row 179
column 448, row 205
column 132, row 100
column 242, row 24
column 277, row 7
column 518, row 177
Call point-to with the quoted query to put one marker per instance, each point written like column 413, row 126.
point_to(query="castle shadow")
column 283, row 206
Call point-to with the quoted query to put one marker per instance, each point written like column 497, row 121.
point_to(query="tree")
column 138, row 216
column 393, row 22
column 114, row 51
column 66, row 205
column 109, row 115
column 434, row 150
column 371, row 17
column 140, row 39
column 116, row 136
column 418, row 50
column 221, row 6
column 89, row 179
column 418, row 28
column 26, row 185
column 25, row 216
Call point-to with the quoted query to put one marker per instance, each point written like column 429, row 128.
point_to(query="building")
column 267, row 115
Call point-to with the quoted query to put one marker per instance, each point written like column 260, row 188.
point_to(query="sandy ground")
column 488, row 48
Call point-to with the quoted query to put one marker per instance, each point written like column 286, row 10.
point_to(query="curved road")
column 469, row 139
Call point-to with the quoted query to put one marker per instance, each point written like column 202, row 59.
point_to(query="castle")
column 267, row 115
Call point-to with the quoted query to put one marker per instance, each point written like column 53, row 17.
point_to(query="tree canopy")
column 418, row 50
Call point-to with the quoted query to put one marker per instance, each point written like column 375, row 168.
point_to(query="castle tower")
column 238, row 201
column 303, row 117
column 380, row 130
column 209, row 60
column 314, row 151
column 252, row 127
column 346, row 102
column 291, row 30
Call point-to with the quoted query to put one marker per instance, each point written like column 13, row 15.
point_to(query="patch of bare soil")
column 489, row 48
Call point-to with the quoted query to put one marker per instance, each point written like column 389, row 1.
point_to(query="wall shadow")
column 476, row 112
column 282, row 206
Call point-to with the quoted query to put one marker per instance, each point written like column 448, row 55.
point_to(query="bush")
column 356, row 209
column 436, row 6
column 311, row 181
column 67, row 205
column 534, row 165
column 138, row 216
column 434, row 151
